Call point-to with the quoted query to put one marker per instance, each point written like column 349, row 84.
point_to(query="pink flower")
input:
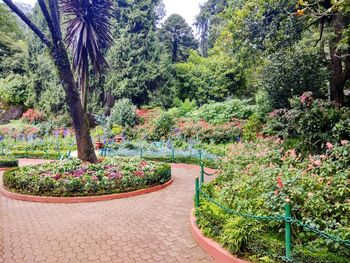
column 276, row 192
column 329, row 146
column 139, row 173
column 317, row 163
column 306, row 98
column 143, row 164
column 94, row 177
column 344, row 142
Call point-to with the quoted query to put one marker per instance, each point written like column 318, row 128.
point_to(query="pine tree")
column 178, row 37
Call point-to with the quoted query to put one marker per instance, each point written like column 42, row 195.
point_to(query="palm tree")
column 87, row 33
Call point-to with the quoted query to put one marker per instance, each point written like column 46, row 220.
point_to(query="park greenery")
column 260, row 89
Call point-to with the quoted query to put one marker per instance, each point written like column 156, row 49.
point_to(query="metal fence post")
column 288, row 209
column 197, row 192
column 202, row 174
column 141, row 152
column 200, row 155
column 173, row 154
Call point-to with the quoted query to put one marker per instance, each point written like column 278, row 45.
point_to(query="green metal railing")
column 287, row 218
column 172, row 154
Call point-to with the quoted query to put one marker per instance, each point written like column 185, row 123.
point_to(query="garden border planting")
column 113, row 177
column 8, row 163
column 210, row 246
column 81, row 199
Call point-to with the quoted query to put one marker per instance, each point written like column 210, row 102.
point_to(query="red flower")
column 279, row 182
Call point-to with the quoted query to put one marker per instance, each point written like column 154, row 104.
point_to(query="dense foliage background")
column 264, row 83
column 243, row 47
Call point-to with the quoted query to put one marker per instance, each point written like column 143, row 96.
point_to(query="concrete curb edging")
column 81, row 199
column 4, row 169
column 210, row 246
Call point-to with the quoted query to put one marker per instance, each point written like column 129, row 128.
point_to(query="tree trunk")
column 85, row 146
column 336, row 85
column 59, row 55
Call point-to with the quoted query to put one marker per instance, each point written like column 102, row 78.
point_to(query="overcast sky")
column 188, row 9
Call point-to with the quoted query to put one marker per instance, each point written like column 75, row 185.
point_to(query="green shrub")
column 222, row 112
column 123, row 113
column 252, row 127
column 290, row 73
column 13, row 89
column 8, row 162
column 162, row 127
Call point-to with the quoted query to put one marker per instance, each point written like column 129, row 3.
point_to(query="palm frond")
column 87, row 30
column 87, row 34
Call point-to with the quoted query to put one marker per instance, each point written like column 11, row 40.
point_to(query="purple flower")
column 79, row 172
column 66, row 133
column 94, row 177
column 115, row 175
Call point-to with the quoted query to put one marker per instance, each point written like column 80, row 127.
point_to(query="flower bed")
column 8, row 163
column 74, row 178
column 257, row 179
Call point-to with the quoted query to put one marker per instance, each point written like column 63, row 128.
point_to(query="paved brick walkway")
column 141, row 229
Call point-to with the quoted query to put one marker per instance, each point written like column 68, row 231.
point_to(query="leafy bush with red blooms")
column 33, row 116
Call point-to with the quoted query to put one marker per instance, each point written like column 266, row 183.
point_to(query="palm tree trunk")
column 60, row 58
column 85, row 146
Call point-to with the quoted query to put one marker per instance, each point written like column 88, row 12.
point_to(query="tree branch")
column 48, row 19
column 55, row 15
column 29, row 23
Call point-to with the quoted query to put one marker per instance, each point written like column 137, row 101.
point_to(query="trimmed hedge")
column 74, row 178
column 8, row 163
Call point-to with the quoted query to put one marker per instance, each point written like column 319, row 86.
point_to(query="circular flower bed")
column 74, row 178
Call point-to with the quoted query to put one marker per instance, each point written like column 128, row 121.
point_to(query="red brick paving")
column 142, row 229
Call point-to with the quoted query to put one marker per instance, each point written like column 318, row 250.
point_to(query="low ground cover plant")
column 74, row 178
column 257, row 179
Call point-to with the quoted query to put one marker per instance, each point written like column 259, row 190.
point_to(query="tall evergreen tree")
column 178, row 37
column 136, row 60
column 209, row 24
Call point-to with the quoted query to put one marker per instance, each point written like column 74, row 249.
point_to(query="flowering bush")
column 33, row 116
column 312, row 122
column 257, row 178
column 74, row 178
column 208, row 133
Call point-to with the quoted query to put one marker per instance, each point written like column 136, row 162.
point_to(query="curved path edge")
column 210, row 246
column 81, row 199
